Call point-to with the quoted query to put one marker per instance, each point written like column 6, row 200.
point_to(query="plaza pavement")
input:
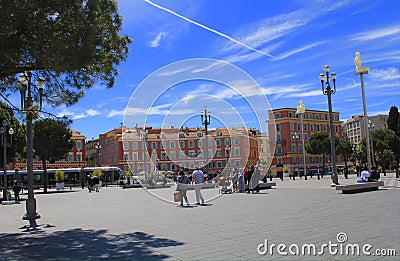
column 131, row 224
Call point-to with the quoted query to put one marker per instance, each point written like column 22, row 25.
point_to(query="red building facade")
column 288, row 149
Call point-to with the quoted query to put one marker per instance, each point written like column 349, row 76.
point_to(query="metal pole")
column 4, row 143
column 31, row 214
column 297, row 153
column 332, row 134
column 365, row 122
column 304, row 149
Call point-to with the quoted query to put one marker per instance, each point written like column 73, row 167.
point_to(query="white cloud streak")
column 206, row 28
column 376, row 34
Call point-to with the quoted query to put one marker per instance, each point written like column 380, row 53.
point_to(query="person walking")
column 96, row 182
column 16, row 189
column 197, row 182
column 183, row 183
column 242, row 185
column 89, row 183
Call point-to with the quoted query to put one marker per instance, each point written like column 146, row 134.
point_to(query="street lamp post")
column 25, row 85
column 361, row 70
column 301, row 109
column 328, row 91
column 296, row 138
column 98, row 148
column 5, row 145
column 205, row 120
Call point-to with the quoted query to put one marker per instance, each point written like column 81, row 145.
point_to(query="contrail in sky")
column 207, row 28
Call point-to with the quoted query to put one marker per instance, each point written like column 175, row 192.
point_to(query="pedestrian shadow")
column 81, row 244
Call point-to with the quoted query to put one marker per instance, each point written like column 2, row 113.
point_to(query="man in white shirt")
column 197, row 182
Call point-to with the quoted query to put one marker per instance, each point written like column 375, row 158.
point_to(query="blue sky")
column 274, row 49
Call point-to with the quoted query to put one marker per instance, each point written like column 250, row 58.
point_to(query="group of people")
column 197, row 181
column 93, row 183
column 248, row 176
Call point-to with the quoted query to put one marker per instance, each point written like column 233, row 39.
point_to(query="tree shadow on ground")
column 79, row 244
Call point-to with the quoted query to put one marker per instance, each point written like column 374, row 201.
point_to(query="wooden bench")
column 263, row 186
column 359, row 187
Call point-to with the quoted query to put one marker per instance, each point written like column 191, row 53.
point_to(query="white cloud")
column 376, row 34
column 156, row 41
column 298, row 50
column 386, row 74
column 92, row 112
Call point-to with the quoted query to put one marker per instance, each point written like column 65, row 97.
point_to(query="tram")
column 110, row 176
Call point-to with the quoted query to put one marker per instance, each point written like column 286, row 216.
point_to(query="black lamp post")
column 5, row 145
column 205, row 120
column 328, row 91
column 98, row 148
column 25, row 85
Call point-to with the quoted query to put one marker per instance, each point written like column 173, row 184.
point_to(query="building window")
column 278, row 127
column 172, row 144
column 200, row 143
column 237, row 163
column 292, row 126
column 311, row 127
column 126, row 156
column 182, row 144
column 279, row 150
column 290, row 115
column 227, row 141
column 134, row 145
column 125, row 146
column 323, row 117
column 278, row 137
column 219, row 164
column 191, row 144
column 218, row 142
column 70, row 157
column 172, row 155
column 78, row 144
column 154, row 145
column 277, row 115
column 135, row 156
column 237, row 152
column 237, row 141
column 79, row 156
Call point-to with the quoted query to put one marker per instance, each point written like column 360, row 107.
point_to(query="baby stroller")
column 224, row 186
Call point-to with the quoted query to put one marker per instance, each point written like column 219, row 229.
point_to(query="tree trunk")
column 346, row 172
column 45, row 178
